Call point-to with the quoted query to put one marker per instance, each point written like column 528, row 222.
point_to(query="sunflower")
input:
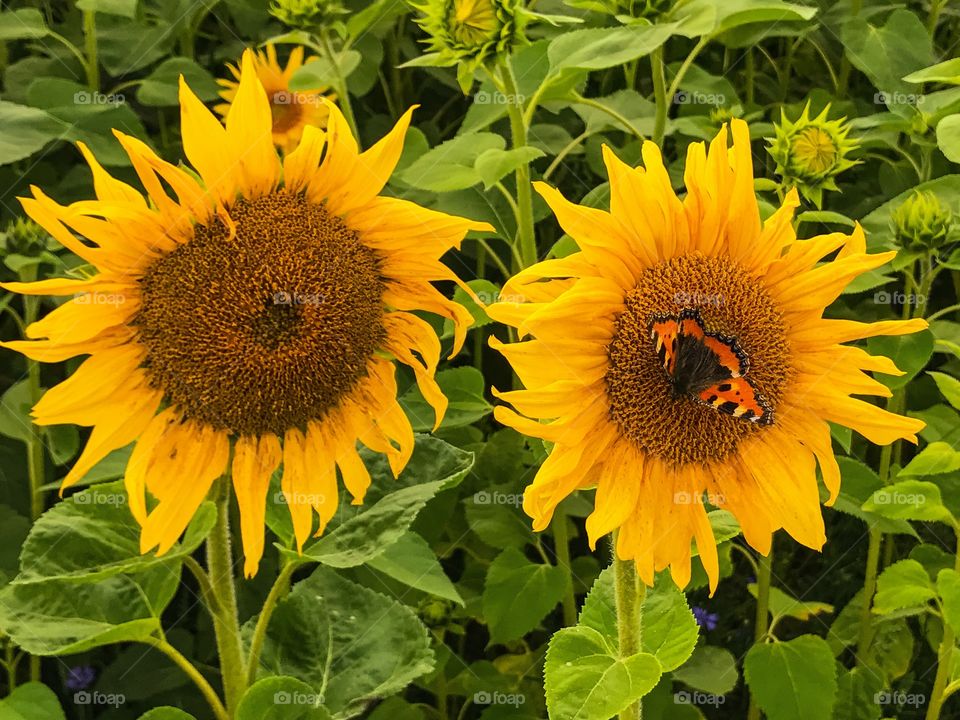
column 258, row 316
column 291, row 110
column 681, row 356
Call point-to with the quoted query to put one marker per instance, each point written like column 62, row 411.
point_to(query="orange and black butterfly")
column 708, row 367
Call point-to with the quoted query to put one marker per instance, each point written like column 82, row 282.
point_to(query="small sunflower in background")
column 291, row 110
column 681, row 357
column 250, row 322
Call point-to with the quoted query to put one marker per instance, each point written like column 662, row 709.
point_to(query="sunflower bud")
column 23, row 237
column 810, row 154
column 307, row 14
column 469, row 33
column 922, row 221
column 435, row 612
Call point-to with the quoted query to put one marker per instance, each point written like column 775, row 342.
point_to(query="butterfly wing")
column 737, row 397
column 664, row 330
column 728, row 353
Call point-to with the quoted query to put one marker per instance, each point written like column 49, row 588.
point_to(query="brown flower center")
column 266, row 330
column 730, row 301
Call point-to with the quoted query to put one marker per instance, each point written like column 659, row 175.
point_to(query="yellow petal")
column 254, row 462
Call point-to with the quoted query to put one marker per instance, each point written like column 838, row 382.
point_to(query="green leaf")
column 15, row 530
column 793, row 680
column 15, row 406
column 891, row 648
column 599, row 48
column 161, row 87
column 129, row 45
column 945, row 72
column 584, row 681
column 857, row 694
column 122, row 8
column 888, row 53
column 61, row 618
column 710, row 669
column 31, row 701
column 783, row 605
column 411, row 561
column 488, row 293
column 859, row 482
column 948, row 586
column 910, row 353
column 512, row 576
column 909, row 500
column 92, row 535
column 319, row 74
column 25, row 131
column 670, row 630
column 166, row 713
column 281, row 698
column 22, row 24
column 826, row 217
column 451, row 165
column 346, row 640
column 629, row 103
column 493, row 515
column 736, row 13
column 464, row 390
column 949, row 387
column 905, row 584
column 382, row 521
column 948, row 137
column 493, row 165
column 936, row 458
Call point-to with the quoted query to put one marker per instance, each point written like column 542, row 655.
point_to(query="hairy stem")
column 761, row 624
column 630, row 593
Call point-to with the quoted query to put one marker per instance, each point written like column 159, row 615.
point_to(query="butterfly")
column 708, row 367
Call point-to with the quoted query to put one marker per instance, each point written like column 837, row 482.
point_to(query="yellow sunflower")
column 258, row 315
column 681, row 356
column 291, row 110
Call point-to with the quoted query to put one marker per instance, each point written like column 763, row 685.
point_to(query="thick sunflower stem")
column 869, row 588
column 233, row 668
column 944, row 656
column 762, row 623
column 561, row 546
column 630, row 593
column 526, row 238
column 92, row 63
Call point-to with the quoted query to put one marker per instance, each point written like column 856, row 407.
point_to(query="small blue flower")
column 705, row 619
column 80, row 677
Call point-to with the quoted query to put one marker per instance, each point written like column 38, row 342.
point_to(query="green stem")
column 560, row 156
column 944, row 659
column 226, row 621
column 561, row 543
column 865, row 635
column 199, row 680
column 750, row 75
column 630, row 593
column 280, row 588
column 623, row 120
column 761, row 625
column 684, row 66
column 90, row 46
column 526, row 239
column 845, row 67
column 343, row 95
column 934, row 18
column 659, row 95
